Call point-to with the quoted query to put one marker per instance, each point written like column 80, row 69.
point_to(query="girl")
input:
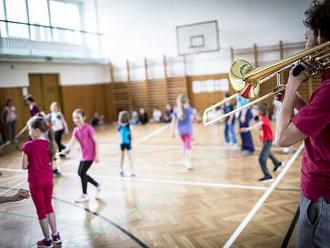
column 38, row 159
column 125, row 141
column 58, row 124
column 183, row 116
column 85, row 135
column 9, row 118
column 245, row 116
column 32, row 105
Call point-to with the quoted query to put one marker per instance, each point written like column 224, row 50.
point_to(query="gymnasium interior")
column 110, row 56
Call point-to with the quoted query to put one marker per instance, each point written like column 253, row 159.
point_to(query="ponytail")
column 52, row 145
column 181, row 101
column 38, row 122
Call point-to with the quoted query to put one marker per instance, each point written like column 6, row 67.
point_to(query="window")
column 16, row 11
column 65, row 15
column 38, row 12
column 3, row 25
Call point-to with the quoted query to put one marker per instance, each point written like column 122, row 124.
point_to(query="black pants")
column 58, row 139
column 267, row 153
column 10, row 129
column 82, row 172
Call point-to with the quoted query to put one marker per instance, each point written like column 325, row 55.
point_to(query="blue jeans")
column 230, row 135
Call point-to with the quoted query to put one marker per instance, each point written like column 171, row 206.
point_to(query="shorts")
column 125, row 147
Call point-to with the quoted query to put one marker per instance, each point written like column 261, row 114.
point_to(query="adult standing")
column 9, row 118
column 312, row 125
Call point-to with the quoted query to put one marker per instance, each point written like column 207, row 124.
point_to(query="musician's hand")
column 295, row 81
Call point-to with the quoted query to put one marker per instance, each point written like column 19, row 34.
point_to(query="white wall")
column 138, row 28
column 16, row 73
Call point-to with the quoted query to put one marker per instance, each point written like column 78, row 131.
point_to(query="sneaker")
column 266, row 179
column 45, row 243
column 276, row 167
column 56, row 173
column 56, row 238
column 188, row 166
column 133, row 174
column 82, row 198
column 98, row 191
column 122, row 174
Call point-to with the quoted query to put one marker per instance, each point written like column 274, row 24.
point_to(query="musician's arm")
column 287, row 134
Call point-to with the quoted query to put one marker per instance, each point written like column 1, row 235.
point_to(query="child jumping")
column 38, row 159
column 85, row 135
column 267, row 138
column 125, row 141
column 183, row 116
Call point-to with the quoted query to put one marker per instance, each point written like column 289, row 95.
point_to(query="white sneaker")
column 189, row 166
column 82, row 198
column 98, row 191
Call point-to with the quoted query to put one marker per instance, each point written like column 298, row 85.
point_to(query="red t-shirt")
column 266, row 129
column 84, row 136
column 314, row 121
column 39, row 167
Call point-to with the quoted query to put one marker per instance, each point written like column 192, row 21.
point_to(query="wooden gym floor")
column 165, row 206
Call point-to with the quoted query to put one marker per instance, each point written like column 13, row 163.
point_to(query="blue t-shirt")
column 125, row 133
column 185, row 125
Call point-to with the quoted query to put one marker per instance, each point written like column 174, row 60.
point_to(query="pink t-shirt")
column 38, row 154
column 314, row 121
column 84, row 136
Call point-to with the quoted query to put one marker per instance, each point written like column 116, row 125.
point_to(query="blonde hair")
column 123, row 117
column 181, row 101
column 54, row 104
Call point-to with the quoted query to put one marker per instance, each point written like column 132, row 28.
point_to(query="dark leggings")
column 82, row 172
column 58, row 139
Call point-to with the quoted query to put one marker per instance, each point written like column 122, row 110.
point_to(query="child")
column 38, row 159
column 125, row 141
column 58, row 124
column 244, row 117
column 267, row 139
column 85, row 135
column 183, row 115
column 34, row 110
column 230, row 136
column 59, row 127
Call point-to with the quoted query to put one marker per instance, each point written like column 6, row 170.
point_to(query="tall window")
column 66, row 15
column 38, row 13
column 16, row 11
column 3, row 26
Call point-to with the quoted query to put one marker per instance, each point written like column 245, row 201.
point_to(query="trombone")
column 247, row 80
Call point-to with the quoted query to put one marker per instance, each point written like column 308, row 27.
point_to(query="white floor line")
column 152, row 134
column 261, row 201
column 195, row 146
column 165, row 181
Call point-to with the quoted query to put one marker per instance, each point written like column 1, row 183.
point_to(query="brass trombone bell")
column 247, row 80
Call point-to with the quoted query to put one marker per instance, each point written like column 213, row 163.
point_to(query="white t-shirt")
column 56, row 119
column 156, row 115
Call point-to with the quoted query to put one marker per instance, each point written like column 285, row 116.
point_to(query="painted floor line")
column 165, row 181
column 262, row 199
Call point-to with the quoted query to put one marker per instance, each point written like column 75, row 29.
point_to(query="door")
column 45, row 89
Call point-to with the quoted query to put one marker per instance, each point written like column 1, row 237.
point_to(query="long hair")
column 181, row 101
column 318, row 18
column 38, row 122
